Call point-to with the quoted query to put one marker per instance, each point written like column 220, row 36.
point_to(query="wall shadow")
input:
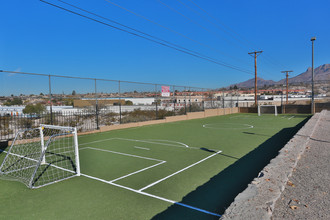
column 220, row 191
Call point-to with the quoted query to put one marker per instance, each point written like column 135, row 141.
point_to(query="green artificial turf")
column 248, row 142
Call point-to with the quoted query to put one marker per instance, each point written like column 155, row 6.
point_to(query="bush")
column 34, row 109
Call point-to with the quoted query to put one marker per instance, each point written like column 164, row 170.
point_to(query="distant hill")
column 320, row 73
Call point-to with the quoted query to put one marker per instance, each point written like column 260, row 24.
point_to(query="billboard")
column 166, row 91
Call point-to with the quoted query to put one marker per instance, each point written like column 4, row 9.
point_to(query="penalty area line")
column 161, row 180
column 142, row 148
column 152, row 196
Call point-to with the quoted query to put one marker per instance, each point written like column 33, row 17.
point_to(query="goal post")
column 41, row 156
column 267, row 109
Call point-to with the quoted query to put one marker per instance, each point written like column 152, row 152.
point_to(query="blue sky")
column 43, row 39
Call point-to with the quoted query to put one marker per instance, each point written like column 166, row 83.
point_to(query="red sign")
column 166, row 91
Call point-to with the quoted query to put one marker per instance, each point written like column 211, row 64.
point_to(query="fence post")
column 203, row 99
column 189, row 99
column 211, row 94
column 174, row 99
column 156, row 101
column 96, row 107
column 185, row 100
column 119, row 102
column 50, row 100
column 223, row 98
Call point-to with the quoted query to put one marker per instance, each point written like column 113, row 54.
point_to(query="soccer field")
column 180, row 170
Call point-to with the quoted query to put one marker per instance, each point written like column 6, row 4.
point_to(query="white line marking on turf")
column 168, row 141
column 122, row 177
column 290, row 117
column 247, row 126
column 142, row 148
column 130, row 155
column 158, row 181
column 152, row 142
column 153, row 196
column 143, row 141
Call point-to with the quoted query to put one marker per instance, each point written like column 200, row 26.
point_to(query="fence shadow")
column 3, row 146
column 220, row 191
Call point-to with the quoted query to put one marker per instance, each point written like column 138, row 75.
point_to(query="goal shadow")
column 220, row 191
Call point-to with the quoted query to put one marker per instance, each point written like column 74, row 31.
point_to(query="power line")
column 209, row 21
column 238, row 37
column 155, row 41
column 133, row 29
column 225, row 26
column 150, row 35
column 173, row 31
column 190, row 20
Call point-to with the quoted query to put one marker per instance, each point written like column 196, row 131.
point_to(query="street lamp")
column 313, row 104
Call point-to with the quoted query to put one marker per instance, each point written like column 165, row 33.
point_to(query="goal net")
column 267, row 109
column 41, row 156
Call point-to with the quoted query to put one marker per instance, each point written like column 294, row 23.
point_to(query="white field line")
column 168, row 141
column 152, row 196
column 160, row 143
column 142, row 148
column 130, row 174
column 291, row 117
column 130, row 155
column 247, row 126
column 143, row 141
column 158, row 181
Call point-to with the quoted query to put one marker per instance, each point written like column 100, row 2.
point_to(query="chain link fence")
column 29, row 99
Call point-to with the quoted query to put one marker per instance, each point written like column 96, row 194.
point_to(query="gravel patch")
column 307, row 193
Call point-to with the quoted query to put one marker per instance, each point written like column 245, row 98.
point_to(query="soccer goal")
column 267, row 109
column 41, row 156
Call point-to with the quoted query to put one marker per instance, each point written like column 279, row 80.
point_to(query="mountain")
column 250, row 83
column 321, row 73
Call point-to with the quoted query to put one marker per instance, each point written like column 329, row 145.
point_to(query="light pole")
column 313, row 104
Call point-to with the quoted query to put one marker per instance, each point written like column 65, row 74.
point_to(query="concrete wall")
column 258, row 200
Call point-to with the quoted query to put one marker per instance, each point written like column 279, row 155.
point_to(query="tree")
column 235, row 87
column 128, row 102
column 74, row 92
column 14, row 101
column 34, row 109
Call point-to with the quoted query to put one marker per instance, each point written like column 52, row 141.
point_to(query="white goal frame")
column 260, row 106
column 41, row 156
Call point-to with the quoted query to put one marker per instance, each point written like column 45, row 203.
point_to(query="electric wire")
column 173, row 31
column 148, row 34
column 238, row 37
column 192, row 21
column 146, row 38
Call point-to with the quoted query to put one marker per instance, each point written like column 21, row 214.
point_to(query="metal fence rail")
column 96, row 102
column 89, row 103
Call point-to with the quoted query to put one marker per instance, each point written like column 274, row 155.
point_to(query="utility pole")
column 287, row 84
column 255, row 54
